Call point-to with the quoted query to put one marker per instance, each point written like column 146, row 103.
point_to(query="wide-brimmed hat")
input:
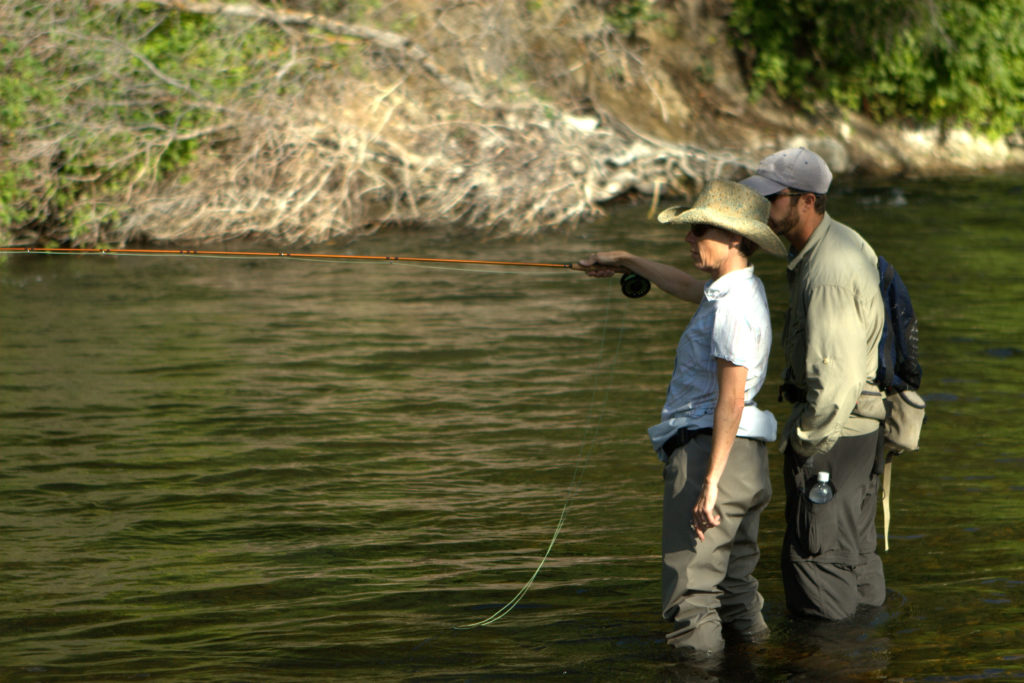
column 733, row 207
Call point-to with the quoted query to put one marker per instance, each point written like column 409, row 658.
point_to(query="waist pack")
column 904, row 418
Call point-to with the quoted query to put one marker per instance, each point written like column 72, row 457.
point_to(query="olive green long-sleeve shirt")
column 831, row 336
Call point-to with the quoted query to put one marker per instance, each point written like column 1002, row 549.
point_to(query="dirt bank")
column 504, row 116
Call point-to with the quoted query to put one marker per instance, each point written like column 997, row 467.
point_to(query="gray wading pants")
column 710, row 584
column 829, row 563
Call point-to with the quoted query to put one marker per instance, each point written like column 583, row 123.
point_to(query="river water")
column 274, row 470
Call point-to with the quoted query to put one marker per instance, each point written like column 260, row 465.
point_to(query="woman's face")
column 710, row 246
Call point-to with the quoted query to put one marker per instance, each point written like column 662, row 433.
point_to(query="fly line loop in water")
column 589, row 440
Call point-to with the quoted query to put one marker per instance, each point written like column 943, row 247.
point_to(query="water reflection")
column 272, row 470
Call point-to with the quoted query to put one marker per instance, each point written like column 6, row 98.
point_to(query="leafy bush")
column 105, row 102
column 627, row 15
column 948, row 62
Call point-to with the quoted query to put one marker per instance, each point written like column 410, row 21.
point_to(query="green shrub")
column 947, row 62
column 124, row 93
column 626, row 16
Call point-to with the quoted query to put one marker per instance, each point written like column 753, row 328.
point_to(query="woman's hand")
column 704, row 515
column 604, row 263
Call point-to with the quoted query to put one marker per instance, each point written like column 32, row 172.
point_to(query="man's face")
column 784, row 215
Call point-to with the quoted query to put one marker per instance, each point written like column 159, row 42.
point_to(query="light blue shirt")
column 731, row 323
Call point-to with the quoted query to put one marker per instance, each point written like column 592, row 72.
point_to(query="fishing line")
column 588, row 441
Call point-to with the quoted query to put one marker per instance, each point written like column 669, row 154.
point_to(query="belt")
column 682, row 437
column 792, row 393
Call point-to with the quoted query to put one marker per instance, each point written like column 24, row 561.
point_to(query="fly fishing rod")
column 633, row 285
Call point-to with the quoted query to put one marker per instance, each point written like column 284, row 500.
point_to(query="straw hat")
column 732, row 207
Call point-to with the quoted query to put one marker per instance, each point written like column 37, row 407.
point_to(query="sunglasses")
column 773, row 197
column 700, row 229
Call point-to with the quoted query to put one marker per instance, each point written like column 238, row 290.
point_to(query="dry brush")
column 451, row 118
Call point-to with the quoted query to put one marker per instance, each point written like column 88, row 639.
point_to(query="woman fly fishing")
column 712, row 436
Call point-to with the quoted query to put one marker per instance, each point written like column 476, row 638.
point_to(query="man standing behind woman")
column 712, row 436
column 833, row 326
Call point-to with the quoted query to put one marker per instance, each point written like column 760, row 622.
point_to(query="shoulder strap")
column 887, row 348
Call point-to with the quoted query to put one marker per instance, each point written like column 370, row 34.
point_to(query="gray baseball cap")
column 797, row 167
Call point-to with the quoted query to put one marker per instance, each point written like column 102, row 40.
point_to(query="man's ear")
column 807, row 200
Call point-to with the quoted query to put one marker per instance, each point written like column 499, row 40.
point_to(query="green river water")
column 274, row 470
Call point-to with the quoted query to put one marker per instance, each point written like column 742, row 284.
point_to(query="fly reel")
column 634, row 286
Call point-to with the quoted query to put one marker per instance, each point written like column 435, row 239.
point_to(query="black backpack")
column 898, row 366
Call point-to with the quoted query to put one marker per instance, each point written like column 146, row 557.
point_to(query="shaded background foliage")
column 946, row 62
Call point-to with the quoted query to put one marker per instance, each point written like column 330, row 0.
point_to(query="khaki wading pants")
column 710, row 583
column 829, row 561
